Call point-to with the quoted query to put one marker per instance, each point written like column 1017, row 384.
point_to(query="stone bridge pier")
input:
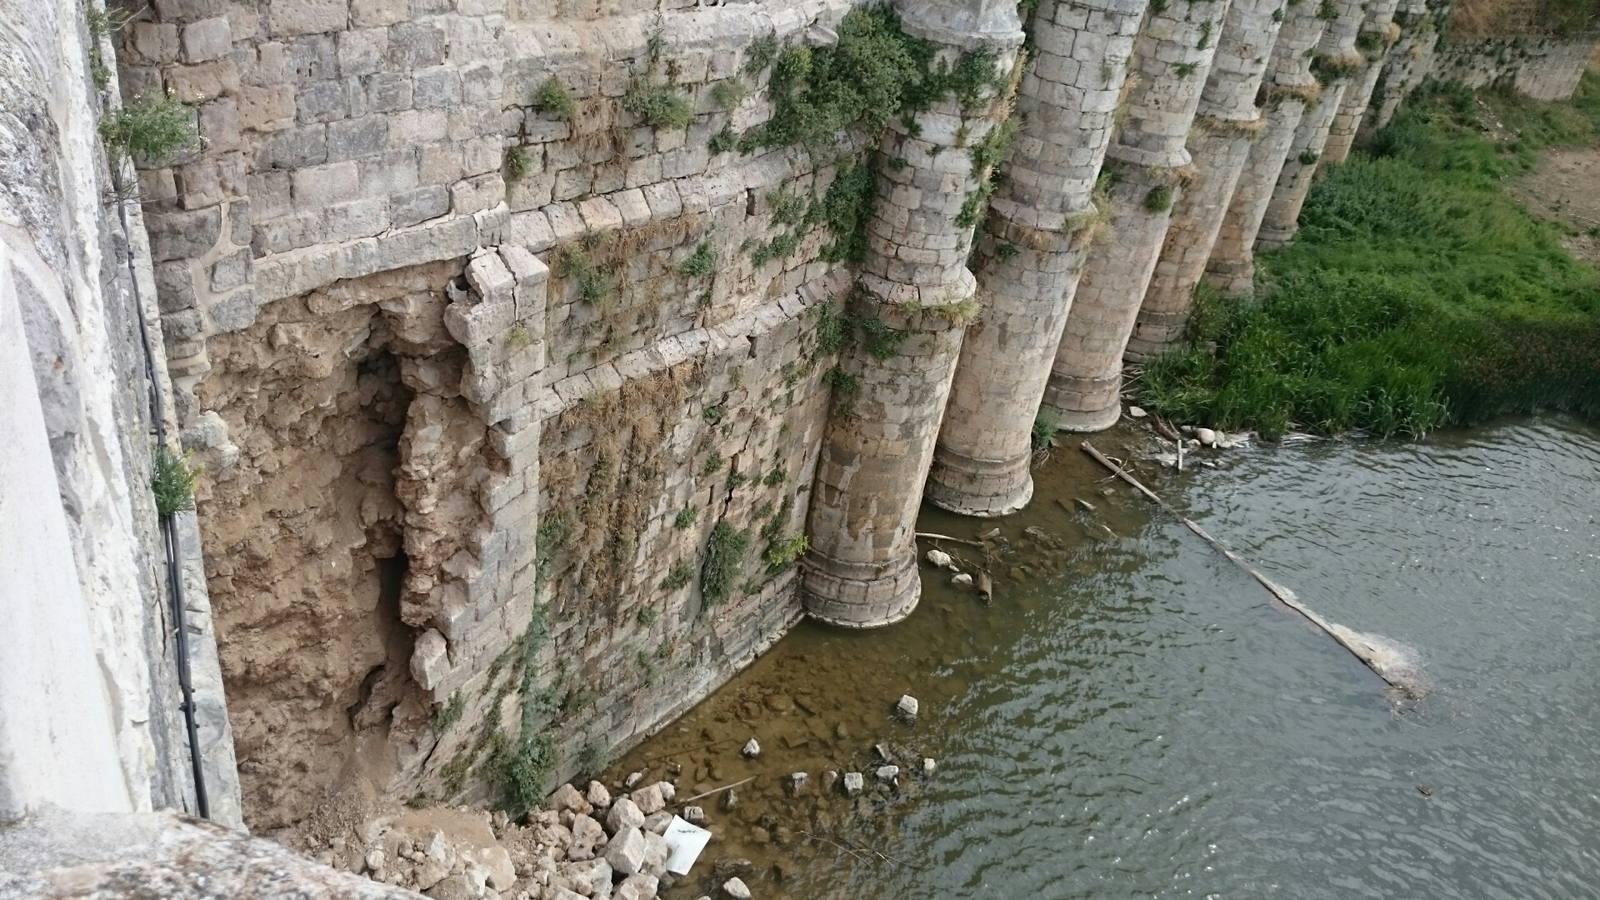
column 1031, row 252
column 1373, row 41
column 1405, row 66
column 861, row 570
column 1335, row 60
column 1289, row 89
column 1146, row 168
column 1227, row 122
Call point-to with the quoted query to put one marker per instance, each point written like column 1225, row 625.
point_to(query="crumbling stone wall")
column 375, row 396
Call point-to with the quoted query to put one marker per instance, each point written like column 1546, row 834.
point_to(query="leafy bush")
column 701, row 263
column 555, row 99
column 724, row 557
column 658, row 106
column 1418, row 293
column 172, row 482
column 149, row 129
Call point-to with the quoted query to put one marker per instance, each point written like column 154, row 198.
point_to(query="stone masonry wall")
column 89, row 684
column 1541, row 68
column 410, row 299
column 514, row 373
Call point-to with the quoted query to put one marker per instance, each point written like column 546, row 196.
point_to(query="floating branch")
column 1391, row 663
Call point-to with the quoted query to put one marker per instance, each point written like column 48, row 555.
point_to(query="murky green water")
column 1134, row 717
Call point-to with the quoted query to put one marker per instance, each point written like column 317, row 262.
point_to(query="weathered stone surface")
column 1031, row 252
column 906, row 707
column 56, row 854
column 624, row 814
column 648, row 799
column 625, row 852
column 861, row 570
column 1219, row 145
column 1173, row 55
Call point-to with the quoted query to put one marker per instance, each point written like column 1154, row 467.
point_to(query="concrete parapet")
column 1227, row 123
column 861, row 570
column 1031, row 253
column 1147, row 167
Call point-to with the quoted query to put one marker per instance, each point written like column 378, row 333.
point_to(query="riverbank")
column 1419, row 293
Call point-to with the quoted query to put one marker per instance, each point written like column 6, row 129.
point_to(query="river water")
column 1132, row 716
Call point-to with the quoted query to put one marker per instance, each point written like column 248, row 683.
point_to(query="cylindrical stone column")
column 1335, row 61
column 1373, row 40
column 1219, row 143
column 1030, row 252
column 1146, row 167
column 1286, row 92
column 861, row 570
column 1406, row 64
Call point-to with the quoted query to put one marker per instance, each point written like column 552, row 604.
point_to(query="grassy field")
column 1418, row 293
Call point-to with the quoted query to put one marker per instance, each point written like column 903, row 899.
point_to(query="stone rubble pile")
column 586, row 845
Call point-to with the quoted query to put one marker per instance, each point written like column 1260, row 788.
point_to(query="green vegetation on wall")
column 874, row 73
column 1418, row 293
column 149, row 129
column 723, row 562
column 172, row 482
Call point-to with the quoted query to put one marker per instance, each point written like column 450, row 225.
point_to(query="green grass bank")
column 1418, row 293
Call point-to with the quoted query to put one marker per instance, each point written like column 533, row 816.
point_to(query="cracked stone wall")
column 409, row 305
column 1536, row 66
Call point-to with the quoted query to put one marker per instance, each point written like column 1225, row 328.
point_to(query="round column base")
column 1155, row 334
column 1084, row 404
column 1085, row 421
column 1233, row 278
column 1272, row 238
column 853, row 595
column 984, row 488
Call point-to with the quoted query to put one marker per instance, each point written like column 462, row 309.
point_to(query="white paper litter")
column 684, row 843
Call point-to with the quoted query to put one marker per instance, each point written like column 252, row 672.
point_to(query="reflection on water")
column 1135, row 717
